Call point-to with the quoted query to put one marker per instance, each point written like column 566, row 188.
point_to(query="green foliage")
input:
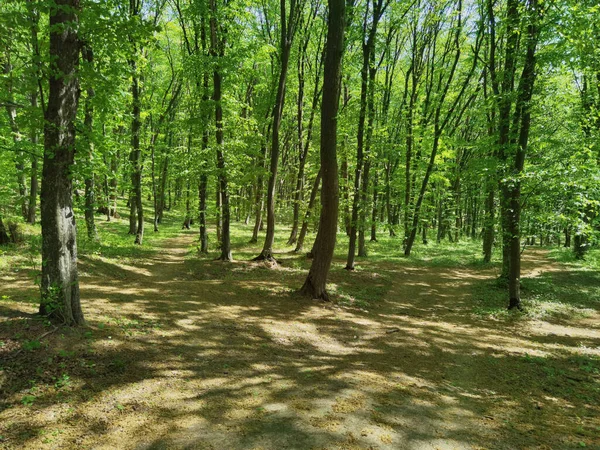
column 28, row 400
column 62, row 381
column 31, row 345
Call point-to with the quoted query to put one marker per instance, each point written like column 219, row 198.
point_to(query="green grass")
column 567, row 257
column 555, row 296
column 113, row 241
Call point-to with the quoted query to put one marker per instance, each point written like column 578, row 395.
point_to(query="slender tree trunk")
column 259, row 200
column 136, row 212
column 313, row 195
column 488, row 229
column 11, row 112
column 217, row 49
column 362, row 166
column 60, row 284
column 567, row 243
column 304, row 153
column 219, row 208
column 155, row 198
column 374, row 211
column 202, row 207
column 33, row 185
column 4, row 238
column 346, row 192
column 315, row 283
column 287, row 33
column 416, row 213
column 522, row 122
column 88, row 125
column 37, row 92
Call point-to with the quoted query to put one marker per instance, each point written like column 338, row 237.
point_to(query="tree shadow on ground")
column 191, row 353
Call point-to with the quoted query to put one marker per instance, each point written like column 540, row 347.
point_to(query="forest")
column 300, row 224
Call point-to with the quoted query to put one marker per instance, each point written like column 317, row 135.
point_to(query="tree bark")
column 488, row 230
column 311, row 202
column 315, row 284
column 60, row 284
column 33, row 184
column 288, row 27
column 362, row 166
column 11, row 112
column 88, row 124
column 217, row 51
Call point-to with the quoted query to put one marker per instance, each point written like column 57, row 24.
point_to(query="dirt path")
column 188, row 353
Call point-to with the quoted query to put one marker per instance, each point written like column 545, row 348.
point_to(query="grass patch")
column 567, row 257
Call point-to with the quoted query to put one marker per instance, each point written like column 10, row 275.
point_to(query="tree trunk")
column 136, row 226
column 346, row 191
column 4, row 238
column 60, row 284
column 366, row 109
column 217, row 50
column 33, row 185
column 88, row 123
column 311, row 202
column 259, row 200
column 287, row 34
column 567, row 237
column 11, row 112
column 304, row 153
column 489, row 221
column 202, row 207
column 315, row 283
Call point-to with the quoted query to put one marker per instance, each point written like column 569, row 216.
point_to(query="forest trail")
column 190, row 353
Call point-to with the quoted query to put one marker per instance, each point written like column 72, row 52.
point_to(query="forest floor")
column 182, row 351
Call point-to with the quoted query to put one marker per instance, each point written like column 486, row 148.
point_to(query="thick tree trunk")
column 315, row 283
column 60, row 284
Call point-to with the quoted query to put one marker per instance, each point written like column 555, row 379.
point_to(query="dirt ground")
column 184, row 352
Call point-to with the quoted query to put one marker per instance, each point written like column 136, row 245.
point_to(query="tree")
column 361, row 177
column 513, row 96
column 315, row 284
column 288, row 26
column 60, row 284
column 217, row 49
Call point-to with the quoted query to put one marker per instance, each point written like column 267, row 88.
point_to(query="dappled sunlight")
column 185, row 352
